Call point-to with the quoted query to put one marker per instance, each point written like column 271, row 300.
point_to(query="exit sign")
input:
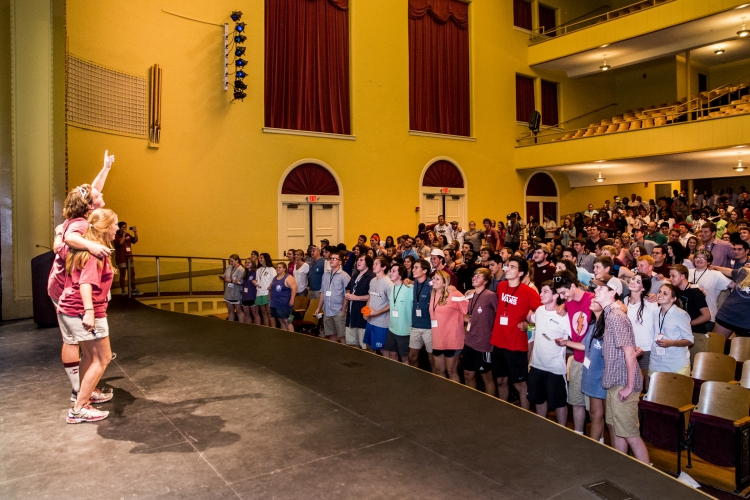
column 312, row 198
column 445, row 190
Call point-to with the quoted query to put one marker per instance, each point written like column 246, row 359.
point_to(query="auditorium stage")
column 205, row 408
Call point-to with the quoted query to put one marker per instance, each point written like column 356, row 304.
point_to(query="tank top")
column 280, row 293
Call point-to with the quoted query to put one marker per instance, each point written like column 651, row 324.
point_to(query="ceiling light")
column 602, row 179
column 743, row 32
column 743, row 6
column 604, row 46
column 718, row 52
column 605, row 66
column 739, row 167
column 600, row 161
column 742, row 146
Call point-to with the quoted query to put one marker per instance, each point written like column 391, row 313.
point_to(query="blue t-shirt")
column 422, row 293
column 249, row 291
column 591, row 379
column 315, row 278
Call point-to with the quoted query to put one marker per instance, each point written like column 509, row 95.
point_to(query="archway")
column 442, row 192
column 310, row 197
column 541, row 197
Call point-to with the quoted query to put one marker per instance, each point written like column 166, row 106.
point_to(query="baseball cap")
column 616, row 285
column 454, row 222
column 324, row 242
column 438, row 252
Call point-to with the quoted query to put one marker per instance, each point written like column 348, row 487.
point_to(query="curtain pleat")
column 307, row 65
column 310, row 178
column 524, row 98
column 443, row 174
column 549, row 103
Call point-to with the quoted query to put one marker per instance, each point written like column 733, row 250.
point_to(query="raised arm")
column 101, row 178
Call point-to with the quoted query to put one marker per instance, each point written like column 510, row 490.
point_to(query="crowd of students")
column 511, row 302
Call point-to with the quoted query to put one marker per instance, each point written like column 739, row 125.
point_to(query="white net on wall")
column 103, row 99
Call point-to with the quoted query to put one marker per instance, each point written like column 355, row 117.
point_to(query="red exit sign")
column 445, row 190
column 312, row 198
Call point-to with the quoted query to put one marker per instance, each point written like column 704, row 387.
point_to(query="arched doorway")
column 442, row 192
column 310, row 199
column 542, row 197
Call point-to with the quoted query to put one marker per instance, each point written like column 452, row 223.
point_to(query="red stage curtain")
column 547, row 19
column 522, row 14
column 310, row 178
column 439, row 67
column 307, row 65
column 443, row 174
column 549, row 103
column 524, row 98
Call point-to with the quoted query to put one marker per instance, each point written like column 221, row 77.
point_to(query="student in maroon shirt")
column 543, row 269
column 509, row 338
column 476, row 355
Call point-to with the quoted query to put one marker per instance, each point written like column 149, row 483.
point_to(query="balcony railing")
column 541, row 34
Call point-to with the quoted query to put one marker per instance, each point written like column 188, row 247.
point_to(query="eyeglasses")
column 335, row 258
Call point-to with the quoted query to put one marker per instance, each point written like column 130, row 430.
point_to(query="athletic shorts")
column 397, row 343
column 281, row 312
column 623, row 415
column 375, row 336
column 355, row 337
column 73, row 331
column 476, row 361
column 448, row 353
column 575, row 392
column 511, row 364
column 544, row 386
column 421, row 337
column 335, row 325
column 741, row 332
column 233, row 302
column 248, row 303
column 261, row 300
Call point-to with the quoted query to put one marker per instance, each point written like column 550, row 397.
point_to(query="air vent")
column 608, row 491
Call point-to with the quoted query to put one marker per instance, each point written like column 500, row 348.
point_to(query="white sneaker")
column 97, row 397
column 86, row 414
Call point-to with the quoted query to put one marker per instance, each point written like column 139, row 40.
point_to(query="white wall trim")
column 463, row 192
column 306, row 133
column 418, row 133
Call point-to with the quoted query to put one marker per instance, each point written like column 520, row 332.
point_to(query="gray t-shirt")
column 380, row 296
column 335, row 284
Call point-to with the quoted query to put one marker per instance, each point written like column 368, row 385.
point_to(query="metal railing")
column 540, row 34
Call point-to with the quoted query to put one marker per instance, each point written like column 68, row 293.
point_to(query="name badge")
column 419, row 313
column 394, row 314
column 244, row 290
column 230, row 285
column 127, row 249
column 503, row 320
column 328, row 293
column 586, row 362
column 429, row 282
column 433, row 323
column 479, row 310
column 468, row 326
column 661, row 351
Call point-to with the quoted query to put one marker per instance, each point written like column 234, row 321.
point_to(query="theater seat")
column 664, row 413
column 611, row 128
column 739, row 349
column 635, row 125
column 308, row 324
column 624, row 126
column 719, row 430
column 567, row 137
column 601, row 130
column 711, row 367
column 647, row 123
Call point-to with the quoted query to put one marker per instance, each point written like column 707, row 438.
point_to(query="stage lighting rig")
column 239, row 51
column 240, row 62
column 236, row 15
column 240, row 39
column 239, row 27
column 240, row 74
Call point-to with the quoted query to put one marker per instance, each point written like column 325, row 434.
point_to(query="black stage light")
column 240, row 38
column 240, row 51
column 240, row 74
column 239, row 84
column 236, row 15
column 240, row 62
column 240, row 95
column 239, row 27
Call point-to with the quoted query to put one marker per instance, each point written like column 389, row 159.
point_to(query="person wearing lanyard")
column 402, row 301
column 447, row 309
column 509, row 339
column 477, row 352
column 670, row 351
column 421, row 333
column 355, row 299
column 378, row 303
column 332, row 300
column 711, row 281
column 263, row 277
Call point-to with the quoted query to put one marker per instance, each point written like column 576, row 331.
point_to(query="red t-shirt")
column 514, row 303
column 100, row 280
column 579, row 314
column 56, row 280
column 123, row 251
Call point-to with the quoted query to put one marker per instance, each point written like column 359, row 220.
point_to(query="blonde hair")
column 446, row 282
column 77, row 202
column 100, row 221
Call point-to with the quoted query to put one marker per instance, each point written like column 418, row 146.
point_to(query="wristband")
column 89, row 309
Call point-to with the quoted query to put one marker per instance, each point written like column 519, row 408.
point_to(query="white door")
column 297, row 226
column 432, row 206
column 454, row 210
column 325, row 223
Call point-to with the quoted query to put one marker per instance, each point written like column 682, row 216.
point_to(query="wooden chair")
column 664, row 413
column 309, row 323
column 624, row 126
column 601, row 130
column 716, row 342
column 635, row 125
column 647, row 123
column 300, row 304
column 745, row 377
column 739, row 349
column 719, row 430
column 611, row 128
column 711, row 367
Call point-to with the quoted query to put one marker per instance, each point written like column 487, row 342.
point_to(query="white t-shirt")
column 644, row 329
column 712, row 283
column 300, row 276
column 547, row 355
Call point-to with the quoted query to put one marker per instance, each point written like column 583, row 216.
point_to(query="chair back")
column 715, row 367
column 745, row 378
column 670, row 389
column 716, row 342
column 739, row 349
column 310, row 313
column 300, row 303
column 719, row 399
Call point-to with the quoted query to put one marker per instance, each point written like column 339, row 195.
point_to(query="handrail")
column 539, row 34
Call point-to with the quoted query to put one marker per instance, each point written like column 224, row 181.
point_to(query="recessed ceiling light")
column 604, row 46
column 718, row 52
column 743, row 32
column 742, row 146
column 600, row 161
column 743, row 5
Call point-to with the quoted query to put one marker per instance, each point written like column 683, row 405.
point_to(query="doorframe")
column 463, row 192
column 301, row 199
column 555, row 199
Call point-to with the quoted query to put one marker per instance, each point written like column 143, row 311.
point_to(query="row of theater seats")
column 656, row 116
column 708, row 413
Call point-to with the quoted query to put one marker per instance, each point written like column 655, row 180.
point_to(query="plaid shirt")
column 618, row 333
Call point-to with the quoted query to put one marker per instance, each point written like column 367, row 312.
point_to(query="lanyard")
column 505, row 310
column 417, row 291
column 396, row 292
column 434, row 302
column 696, row 280
column 474, row 303
column 330, row 283
column 661, row 321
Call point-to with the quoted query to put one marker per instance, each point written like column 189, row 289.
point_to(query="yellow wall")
column 734, row 72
